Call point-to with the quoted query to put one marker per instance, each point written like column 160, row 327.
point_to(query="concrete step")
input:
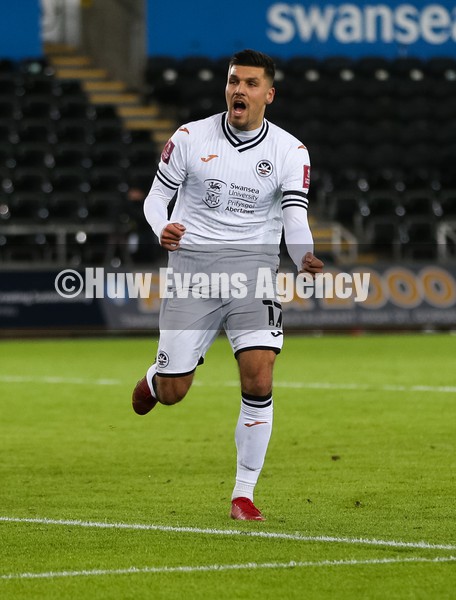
column 70, row 61
column 154, row 125
column 138, row 112
column 70, row 73
column 103, row 87
column 51, row 49
column 112, row 98
column 102, row 90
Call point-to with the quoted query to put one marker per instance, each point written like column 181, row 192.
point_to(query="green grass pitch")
column 358, row 488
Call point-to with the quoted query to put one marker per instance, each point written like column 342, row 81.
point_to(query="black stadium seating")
column 381, row 135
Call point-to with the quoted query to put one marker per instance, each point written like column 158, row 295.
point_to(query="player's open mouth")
column 238, row 107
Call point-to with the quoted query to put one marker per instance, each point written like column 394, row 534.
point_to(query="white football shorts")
column 214, row 294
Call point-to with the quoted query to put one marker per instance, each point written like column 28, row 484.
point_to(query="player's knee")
column 171, row 390
column 257, row 387
column 256, row 376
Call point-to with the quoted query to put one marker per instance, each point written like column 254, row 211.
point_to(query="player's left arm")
column 295, row 188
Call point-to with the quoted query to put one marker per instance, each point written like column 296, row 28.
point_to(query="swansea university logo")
column 214, row 191
column 264, row 168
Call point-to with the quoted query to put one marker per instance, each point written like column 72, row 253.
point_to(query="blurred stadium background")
column 90, row 91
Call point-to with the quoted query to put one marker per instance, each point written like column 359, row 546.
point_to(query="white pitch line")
column 234, row 532
column 311, row 385
column 235, row 567
column 320, row 385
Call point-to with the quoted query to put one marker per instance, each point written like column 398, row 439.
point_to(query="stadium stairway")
column 101, row 89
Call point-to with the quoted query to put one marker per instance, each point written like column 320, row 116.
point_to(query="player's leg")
column 254, row 328
column 188, row 327
column 169, row 378
column 253, row 429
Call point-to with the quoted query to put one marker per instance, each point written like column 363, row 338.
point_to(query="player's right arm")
column 170, row 174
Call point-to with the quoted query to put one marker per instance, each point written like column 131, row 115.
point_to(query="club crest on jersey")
column 264, row 168
column 162, row 359
column 214, row 191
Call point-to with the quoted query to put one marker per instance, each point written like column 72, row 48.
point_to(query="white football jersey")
column 231, row 188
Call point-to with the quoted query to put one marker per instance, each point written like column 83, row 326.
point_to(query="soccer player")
column 240, row 181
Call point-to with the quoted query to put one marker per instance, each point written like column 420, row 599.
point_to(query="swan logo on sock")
column 256, row 423
column 162, row 359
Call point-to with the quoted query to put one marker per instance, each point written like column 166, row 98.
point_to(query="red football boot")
column 142, row 400
column 243, row 509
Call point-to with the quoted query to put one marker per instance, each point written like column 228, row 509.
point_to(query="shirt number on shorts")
column 274, row 313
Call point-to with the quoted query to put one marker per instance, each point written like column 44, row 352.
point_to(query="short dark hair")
column 253, row 58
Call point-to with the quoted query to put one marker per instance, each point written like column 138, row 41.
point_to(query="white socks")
column 149, row 376
column 252, row 435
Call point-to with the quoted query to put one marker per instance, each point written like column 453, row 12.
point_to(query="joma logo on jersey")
column 214, row 191
column 264, row 168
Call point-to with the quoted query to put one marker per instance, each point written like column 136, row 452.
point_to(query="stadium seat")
column 298, row 66
column 443, row 110
column 447, row 203
column 373, row 67
column 312, row 130
column 8, row 131
column 347, row 131
column 32, row 154
column 415, row 132
column 72, row 107
column 109, row 130
column 344, row 207
column 382, row 237
column 107, row 179
column 7, row 160
column 381, row 131
column 141, row 177
column 34, row 106
column 74, row 130
column 106, row 208
column 441, row 67
column 192, row 64
column 421, row 203
column 418, row 239
column 70, row 179
column 9, row 107
column 109, row 155
column 72, row 154
column 347, row 107
column 35, row 130
column 350, row 178
column 36, row 66
column 7, row 65
column 30, row 179
column 103, row 111
column 408, row 67
column 8, row 84
column 382, row 178
column 67, row 207
column 381, row 204
column 27, row 248
column 28, row 207
column 143, row 155
column 68, row 87
column 36, row 84
column 92, row 248
column 350, row 154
